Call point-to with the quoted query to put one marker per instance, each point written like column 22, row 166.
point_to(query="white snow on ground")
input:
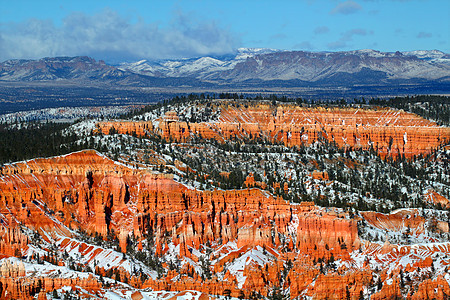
column 45, row 270
column 196, row 266
column 123, row 291
column 113, row 296
column 92, row 255
column 293, row 225
column 158, row 295
column 84, row 127
column 225, row 249
column 400, row 256
column 253, row 256
column 65, row 114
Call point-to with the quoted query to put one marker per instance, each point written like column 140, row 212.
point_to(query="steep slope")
column 80, row 67
column 362, row 66
column 388, row 131
column 194, row 67
column 317, row 67
column 177, row 238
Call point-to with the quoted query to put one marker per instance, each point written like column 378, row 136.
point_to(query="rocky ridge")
column 325, row 67
column 249, row 67
column 214, row 241
column 387, row 131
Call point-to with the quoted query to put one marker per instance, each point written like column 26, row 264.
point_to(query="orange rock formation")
column 88, row 191
column 390, row 132
column 435, row 198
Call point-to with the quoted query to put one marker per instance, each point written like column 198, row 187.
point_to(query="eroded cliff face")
column 251, row 240
column 17, row 282
column 435, row 198
column 388, row 131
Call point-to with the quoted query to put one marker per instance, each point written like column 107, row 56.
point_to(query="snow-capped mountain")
column 270, row 64
column 197, row 67
column 360, row 66
column 57, row 68
column 249, row 66
column 180, row 68
column 430, row 55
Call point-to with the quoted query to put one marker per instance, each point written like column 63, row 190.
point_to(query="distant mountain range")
column 250, row 67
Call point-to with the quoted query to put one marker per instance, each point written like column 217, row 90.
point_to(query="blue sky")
column 134, row 29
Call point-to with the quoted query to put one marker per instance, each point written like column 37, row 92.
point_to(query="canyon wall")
column 388, row 131
column 90, row 192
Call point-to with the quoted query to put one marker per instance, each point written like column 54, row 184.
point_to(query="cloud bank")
column 109, row 36
column 347, row 37
column 424, row 35
column 346, row 8
column 321, row 30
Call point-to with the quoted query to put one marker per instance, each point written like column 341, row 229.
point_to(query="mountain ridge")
column 250, row 67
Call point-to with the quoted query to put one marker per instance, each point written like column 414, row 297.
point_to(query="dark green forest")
column 35, row 140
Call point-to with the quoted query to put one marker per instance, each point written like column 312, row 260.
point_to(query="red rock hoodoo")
column 388, row 131
column 254, row 237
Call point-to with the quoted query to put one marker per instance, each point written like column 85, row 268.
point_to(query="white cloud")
column 347, row 37
column 109, row 36
column 321, row 30
column 337, row 45
column 305, row 45
column 346, row 8
column 424, row 35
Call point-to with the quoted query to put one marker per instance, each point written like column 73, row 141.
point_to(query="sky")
column 132, row 30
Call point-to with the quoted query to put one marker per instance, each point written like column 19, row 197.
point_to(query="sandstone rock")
column 88, row 191
column 388, row 131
